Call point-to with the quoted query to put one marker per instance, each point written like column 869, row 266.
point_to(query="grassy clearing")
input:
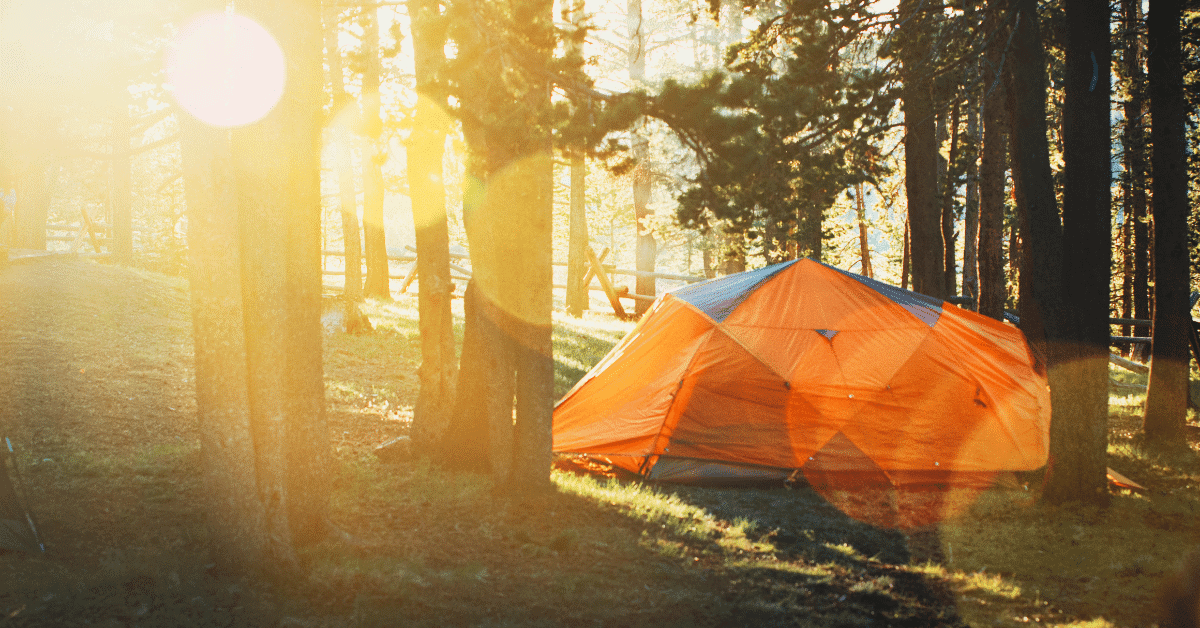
column 110, row 447
column 1007, row 561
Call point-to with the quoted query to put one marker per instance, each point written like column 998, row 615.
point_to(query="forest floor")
column 96, row 394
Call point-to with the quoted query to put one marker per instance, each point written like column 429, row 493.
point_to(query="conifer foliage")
column 790, row 124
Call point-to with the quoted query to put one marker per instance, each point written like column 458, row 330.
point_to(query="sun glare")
column 226, row 70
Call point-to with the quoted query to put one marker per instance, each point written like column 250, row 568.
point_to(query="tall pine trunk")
column 864, row 246
column 377, row 284
column 970, row 281
column 647, row 247
column 33, row 204
column 255, row 200
column 1134, row 141
column 1167, row 390
column 948, row 194
column 308, row 447
column 577, row 296
column 426, row 148
column 121, row 244
column 236, row 532
column 1079, row 431
column 920, row 155
column 340, row 123
column 507, row 212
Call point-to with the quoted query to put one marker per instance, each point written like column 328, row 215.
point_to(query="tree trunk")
column 485, row 370
column 121, row 244
column 811, row 230
column 1126, row 264
column 733, row 252
column 577, row 297
column 236, row 532
column 438, row 370
column 577, row 293
column 647, row 247
column 1079, row 432
column 1041, row 230
column 340, row 122
column 532, row 451
column 948, row 192
column 260, row 190
column 1046, row 314
column 906, row 258
column 1133, row 193
column 308, row 448
column 377, row 285
column 277, row 163
column 920, row 156
column 864, row 245
column 508, row 215
column 1167, row 389
column 33, row 205
column 1134, row 141
column 971, row 219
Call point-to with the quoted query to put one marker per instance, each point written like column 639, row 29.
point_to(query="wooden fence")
column 603, row 276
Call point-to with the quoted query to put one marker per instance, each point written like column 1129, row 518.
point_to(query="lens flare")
column 226, row 70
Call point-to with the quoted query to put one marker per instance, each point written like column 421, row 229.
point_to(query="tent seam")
column 738, row 341
column 675, row 395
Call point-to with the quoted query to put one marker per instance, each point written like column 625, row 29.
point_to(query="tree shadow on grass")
column 827, row 568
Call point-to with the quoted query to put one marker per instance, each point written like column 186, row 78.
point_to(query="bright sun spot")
column 226, row 70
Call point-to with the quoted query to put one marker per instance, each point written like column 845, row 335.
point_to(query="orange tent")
column 803, row 368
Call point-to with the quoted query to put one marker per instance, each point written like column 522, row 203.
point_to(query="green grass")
column 753, row 553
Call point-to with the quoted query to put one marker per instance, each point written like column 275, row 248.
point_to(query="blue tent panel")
column 720, row 297
column 924, row 307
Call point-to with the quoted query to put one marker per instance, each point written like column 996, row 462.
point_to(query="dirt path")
column 95, row 368
column 96, row 383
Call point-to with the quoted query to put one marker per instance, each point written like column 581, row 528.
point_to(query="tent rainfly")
column 803, row 368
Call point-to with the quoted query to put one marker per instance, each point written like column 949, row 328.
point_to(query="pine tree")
column 1167, row 390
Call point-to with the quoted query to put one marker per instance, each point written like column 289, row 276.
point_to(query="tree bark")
column 970, row 270
column 507, row 212
column 377, row 285
column 948, row 192
column 485, row 371
column 1134, row 140
column 863, row 244
column 308, row 448
column 532, row 451
column 260, row 190
column 920, row 156
column 1079, row 431
column 1167, row 388
column 277, row 163
column 438, row 371
column 33, row 205
column 340, row 122
column 1127, row 34
column 647, row 246
column 733, row 252
column 577, row 294
column 237, row 535
column 121, row 244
